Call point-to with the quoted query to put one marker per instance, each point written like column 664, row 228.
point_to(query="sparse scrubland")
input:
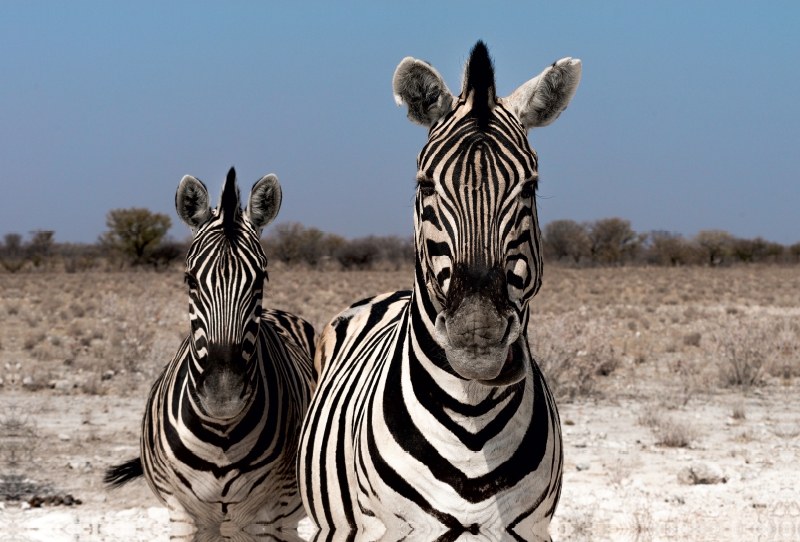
column 677, row 389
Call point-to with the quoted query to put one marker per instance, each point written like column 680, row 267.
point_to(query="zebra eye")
column 527, row 189
column 190, row 281
column 426, row 188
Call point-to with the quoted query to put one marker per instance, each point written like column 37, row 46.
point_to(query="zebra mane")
column 229, row 205
column 479, row 79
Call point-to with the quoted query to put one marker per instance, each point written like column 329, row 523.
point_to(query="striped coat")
column 431, row 420
column 221, row 429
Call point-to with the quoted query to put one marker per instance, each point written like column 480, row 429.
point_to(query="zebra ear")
column 191, row 202
column 265, row 201
column 542, row 99
column 418, row 85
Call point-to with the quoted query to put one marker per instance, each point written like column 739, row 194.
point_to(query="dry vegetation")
column 83, row 349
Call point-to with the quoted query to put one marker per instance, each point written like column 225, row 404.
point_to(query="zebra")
column 431, row 420
column 222, row 422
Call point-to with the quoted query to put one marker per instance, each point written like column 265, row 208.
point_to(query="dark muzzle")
column 479, row 330
column 223, row 387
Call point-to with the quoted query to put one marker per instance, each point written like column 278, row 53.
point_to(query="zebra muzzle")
column 223, row 387
column 482, row 344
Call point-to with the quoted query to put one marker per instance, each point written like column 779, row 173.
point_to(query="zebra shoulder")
column 291, row 328
column 360, row 320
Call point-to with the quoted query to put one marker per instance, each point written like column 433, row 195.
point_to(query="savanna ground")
column 677, row 387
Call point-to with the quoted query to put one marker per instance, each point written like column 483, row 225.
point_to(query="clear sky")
column 687, row 116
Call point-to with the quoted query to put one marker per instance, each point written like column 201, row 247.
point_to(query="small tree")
column 774, row 251
column 359, row 253
column 41, row 246
column 12, row 256
column 134, row 231
column 612, row 239
column 669, row 248
column 566, row 239
column 292, row 243
column 714, row 245
column 794, row 251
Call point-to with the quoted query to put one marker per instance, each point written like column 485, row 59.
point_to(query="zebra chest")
column 432, row 468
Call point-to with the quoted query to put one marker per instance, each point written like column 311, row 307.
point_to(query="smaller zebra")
column 221, row 428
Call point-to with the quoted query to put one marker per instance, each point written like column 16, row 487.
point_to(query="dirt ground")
column 678, row 395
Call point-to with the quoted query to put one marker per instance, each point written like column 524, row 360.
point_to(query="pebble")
column 702, row 473
column 582, row 466
column 84, row 466
column 63, row 436
column 62, row 385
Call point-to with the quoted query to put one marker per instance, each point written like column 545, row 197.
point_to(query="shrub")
column 744, row 349
column 571, row 355
column 166, row 253
column 667, row 248
column 78, row 257
column 794, row 251
column 566, row 239
column 133, row 232
column 395, row 249
column 40, row 248
column 359, row 253
column 611, row 240
column 293, row 243
column 757, row 250
column 11, row 255
column 714, row 245
column 667, row 431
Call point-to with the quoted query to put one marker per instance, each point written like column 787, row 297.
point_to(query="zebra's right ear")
column 418, row 85
column 192, row 203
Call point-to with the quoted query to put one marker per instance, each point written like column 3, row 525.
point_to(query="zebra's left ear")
column 265, row 202
column 542, row 99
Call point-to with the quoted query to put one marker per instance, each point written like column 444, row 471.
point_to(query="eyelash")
column 426, row 188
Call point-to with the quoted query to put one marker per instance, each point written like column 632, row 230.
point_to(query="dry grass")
column 668, row 431
column 593, row 331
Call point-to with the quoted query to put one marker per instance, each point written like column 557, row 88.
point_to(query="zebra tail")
column 119, row 475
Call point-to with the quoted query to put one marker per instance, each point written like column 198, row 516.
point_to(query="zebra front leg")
column 181, row 525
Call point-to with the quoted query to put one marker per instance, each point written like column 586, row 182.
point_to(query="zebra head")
column 476, row 230
column 225, row 272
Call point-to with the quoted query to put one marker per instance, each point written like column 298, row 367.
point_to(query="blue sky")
column 686, row 118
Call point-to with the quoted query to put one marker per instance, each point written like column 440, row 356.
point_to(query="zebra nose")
column 478, row 340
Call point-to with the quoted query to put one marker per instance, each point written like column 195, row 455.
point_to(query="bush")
column 566, row 239
column 571, row 356
column 667, row 431
column 668, row 248
column 395, row 249
column 11, row 256
column 163, row 255
column 359, row 253
column 611, row 240
column 794, row 251
column 40, row 249
column 134, row 232
column 78, row 257
column 293, row 243
column 745, row 348
column 714, row 245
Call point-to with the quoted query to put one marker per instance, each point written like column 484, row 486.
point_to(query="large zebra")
column 222, row 423
column 431, row 420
